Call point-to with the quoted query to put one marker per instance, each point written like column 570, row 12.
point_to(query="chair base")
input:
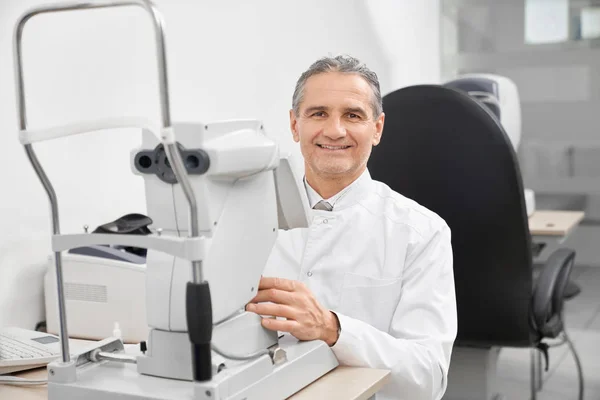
column 472, row 374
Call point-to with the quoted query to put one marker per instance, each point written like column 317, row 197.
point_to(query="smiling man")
column 372, row 275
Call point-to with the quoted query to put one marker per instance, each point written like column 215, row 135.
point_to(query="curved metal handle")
column 160, row 48
column 40, row 135
column 166, row 134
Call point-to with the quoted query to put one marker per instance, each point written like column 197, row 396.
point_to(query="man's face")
column 335, row 125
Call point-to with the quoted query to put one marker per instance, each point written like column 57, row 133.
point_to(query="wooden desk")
column 554, row 223
column 343, row 383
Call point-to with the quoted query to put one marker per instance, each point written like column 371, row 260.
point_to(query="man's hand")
column 306, row 319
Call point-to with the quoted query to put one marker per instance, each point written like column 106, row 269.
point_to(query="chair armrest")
column 548, row 294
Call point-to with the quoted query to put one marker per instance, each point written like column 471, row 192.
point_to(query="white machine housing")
column 237, row 216
column 501, row 96
column 245, row 196
column 112, row 291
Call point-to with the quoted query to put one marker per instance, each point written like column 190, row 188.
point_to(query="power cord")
column 13, row 380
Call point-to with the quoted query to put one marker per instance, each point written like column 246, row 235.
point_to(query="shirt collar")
column 344, row 198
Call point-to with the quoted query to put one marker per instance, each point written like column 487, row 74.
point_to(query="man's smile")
column 332, row 147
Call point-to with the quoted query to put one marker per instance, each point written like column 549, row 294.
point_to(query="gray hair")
column 345, row 64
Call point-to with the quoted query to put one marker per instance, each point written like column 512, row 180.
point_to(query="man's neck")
column 329, row 186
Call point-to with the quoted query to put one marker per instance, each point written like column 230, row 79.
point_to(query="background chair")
column 447, row 151
column 500, row 95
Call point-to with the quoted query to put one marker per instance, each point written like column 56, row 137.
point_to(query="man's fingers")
column 275, row 310
column 280, row 325
column 280, row 284
column 274, row 296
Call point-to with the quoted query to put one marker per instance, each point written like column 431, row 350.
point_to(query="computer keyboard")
column 11, row 349
column 22, row 349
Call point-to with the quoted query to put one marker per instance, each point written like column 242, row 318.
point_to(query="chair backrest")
column 446, row 151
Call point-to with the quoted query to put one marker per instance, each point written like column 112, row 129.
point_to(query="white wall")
column 226, row 59
column 408, row 32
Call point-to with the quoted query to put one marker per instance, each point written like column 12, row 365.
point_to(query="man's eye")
column 318, row 114
column 353, row 116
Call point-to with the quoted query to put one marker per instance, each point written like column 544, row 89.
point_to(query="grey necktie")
column 323, row 205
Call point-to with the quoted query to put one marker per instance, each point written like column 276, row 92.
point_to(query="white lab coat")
column 383, row 264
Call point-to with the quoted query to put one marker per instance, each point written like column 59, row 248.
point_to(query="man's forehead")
column 336, row 92
column 335, row 105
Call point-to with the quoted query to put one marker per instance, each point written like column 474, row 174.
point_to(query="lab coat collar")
column 348, row 196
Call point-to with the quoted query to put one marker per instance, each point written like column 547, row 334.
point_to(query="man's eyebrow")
column 356, row 110
column 312, row 109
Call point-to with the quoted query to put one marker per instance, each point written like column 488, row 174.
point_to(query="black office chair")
column 448, row 152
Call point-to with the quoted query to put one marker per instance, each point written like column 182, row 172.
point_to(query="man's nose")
column 335, row 129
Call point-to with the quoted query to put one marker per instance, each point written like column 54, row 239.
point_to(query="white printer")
column 501, row 96
column 105, row 288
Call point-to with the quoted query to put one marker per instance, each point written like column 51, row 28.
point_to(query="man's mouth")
column 329, row 147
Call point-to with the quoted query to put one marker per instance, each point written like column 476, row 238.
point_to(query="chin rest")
column 129, row 224
column 132, row 224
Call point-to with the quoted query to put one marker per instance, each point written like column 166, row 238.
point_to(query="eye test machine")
column 216, row 193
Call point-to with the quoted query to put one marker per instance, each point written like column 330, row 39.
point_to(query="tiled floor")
column 582, row 315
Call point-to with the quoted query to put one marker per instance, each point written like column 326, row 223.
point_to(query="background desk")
column 554, row 224
column 343, row 383
column 552, row 228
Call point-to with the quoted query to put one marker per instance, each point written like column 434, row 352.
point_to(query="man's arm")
column 417, row 350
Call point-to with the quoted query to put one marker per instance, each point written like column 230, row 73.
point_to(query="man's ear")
column 294, row 126
column 378, row 129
